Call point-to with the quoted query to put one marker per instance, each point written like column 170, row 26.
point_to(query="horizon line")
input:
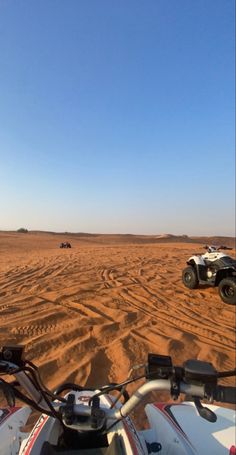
column 162, row 235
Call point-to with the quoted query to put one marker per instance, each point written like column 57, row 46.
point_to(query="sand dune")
column 88, row 314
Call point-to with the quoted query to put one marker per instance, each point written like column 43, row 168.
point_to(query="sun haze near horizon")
column 118, row 117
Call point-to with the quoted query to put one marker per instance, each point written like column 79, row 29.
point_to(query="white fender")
column 11, row 420
column 181, row 430
column 198, row 260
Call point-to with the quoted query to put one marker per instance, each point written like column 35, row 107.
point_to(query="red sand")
column 90, row 313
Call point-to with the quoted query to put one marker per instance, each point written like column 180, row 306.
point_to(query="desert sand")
column 88, row 314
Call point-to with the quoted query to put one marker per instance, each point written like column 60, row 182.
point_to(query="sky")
column 118, row 116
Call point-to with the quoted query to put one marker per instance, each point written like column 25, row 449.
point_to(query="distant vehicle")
column 213, row 268
column 65, row 245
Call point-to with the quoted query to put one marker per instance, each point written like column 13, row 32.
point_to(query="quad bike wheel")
column 227, row 290
column 189, row 278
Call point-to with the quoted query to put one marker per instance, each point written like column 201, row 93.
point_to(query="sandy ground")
column 90, row 313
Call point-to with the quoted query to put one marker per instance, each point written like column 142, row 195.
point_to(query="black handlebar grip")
column 225, row 394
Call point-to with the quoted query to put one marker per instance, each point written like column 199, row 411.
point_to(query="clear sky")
column 118, row 116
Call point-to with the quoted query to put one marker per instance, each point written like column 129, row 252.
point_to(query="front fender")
column 195, row 261
column 224, row 273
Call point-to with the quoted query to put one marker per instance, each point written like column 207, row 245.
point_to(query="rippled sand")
column 90, row 313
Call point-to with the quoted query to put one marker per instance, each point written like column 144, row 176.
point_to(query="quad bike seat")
column 220, row 263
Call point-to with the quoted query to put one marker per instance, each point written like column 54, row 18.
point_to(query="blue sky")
column 117, row 117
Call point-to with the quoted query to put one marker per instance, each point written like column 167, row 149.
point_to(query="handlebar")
column 225, row 394
column 222, row 394
column 138, row 396
column 197, row 379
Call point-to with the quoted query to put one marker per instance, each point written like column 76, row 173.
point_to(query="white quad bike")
column 213, row 268
column 94, row 421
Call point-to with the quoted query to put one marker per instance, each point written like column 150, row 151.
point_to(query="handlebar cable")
column 112, row 425
column 35, row 383
column 70, row 386
column 108, row 388
column 123, row 389
column 27, row 400
column 34, row 405
column 41, row 385
column 122, row 392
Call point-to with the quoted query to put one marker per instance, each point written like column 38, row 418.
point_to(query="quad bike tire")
column 189, row 278
column 227, row 290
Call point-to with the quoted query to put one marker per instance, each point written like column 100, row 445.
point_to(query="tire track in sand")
column 97, row 305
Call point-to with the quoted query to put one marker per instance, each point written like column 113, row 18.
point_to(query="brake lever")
column 204, row 412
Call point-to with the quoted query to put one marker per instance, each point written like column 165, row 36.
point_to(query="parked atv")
column 213, row 268
column 65, row 245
